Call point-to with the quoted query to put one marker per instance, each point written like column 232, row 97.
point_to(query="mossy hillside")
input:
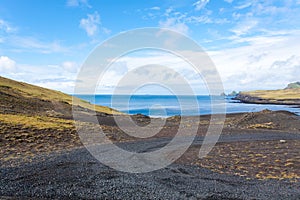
column 19, row 97
column 37, row 122
column 285, row 94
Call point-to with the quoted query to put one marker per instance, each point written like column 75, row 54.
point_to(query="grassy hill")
column 283, row 96
column 18, row 97
column 35, row 119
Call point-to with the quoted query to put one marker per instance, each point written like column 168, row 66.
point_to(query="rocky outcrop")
column 293, row 85
column 248, row 98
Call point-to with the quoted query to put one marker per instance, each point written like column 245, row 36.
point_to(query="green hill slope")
column 284, row 96
column 34, row 119
column 19, row 97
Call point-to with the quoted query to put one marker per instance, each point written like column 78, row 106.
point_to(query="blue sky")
column 254, row 44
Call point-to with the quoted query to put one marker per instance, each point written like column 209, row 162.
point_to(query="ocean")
column 168, row 105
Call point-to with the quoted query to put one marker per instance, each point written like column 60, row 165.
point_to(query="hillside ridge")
column 19, row 97
column 35, row 120
column 288, row 96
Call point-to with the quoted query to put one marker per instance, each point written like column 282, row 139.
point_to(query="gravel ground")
column 77, row 175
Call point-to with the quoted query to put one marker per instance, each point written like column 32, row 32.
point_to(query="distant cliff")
column 293, row 85
column 288, row 96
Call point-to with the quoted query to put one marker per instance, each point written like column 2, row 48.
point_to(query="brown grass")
column 275, row 94
column 32, row 91
column 37, row 122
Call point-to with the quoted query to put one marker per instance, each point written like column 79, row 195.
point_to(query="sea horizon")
column 156, row 105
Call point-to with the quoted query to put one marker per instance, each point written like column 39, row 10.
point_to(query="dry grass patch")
column 37, row 122
column 11, row 87
column 259, row 159
column 290, row 94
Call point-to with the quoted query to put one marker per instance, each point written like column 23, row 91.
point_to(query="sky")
column 253, row 44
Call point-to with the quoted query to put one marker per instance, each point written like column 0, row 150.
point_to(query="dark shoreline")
column 256, row 100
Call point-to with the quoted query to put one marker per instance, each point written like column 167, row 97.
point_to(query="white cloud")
column 243, row 6
column 58, row 77
column 168, row 11
column 30, row 44
column 91, row 24
column 106, row 31
column 267, row 62
column 59, row 84
column 199, row 19
column 76, row 3
column 228, row 1
column 178, row 19
column 6, row 27
column 173, row 24
column 17, row 42
column 155, row 8
column 7, row 64
column 70, row 66
column 244, row 27
column 154, row 59
column 200, row 4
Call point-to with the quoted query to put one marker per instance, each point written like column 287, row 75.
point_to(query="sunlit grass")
column 32, row 91
column 275, row 94
column 37, row 122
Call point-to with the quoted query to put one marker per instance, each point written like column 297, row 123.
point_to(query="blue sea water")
column 167, row 105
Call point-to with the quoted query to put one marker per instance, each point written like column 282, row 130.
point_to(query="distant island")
column 232, row 94
column 293, row 85
column 288, row 96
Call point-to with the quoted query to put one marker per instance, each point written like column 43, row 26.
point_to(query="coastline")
column 244, row 98
column 276, row 97
column 43, row 156
column 140, row 104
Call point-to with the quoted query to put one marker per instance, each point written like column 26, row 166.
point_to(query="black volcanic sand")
column 257, row 157
column 77, row 175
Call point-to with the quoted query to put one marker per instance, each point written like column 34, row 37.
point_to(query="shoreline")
column 256, row 100
column 172, row 108
column 275, row 97
column 296, row 106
